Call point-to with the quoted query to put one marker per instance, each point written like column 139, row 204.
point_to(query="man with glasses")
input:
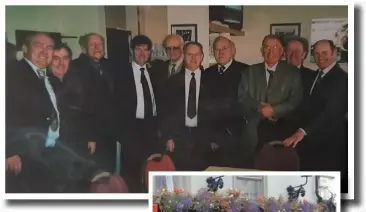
column 173, row 45
column 268, row 93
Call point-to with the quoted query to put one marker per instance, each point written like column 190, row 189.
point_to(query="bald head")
column 173, row 45
column 325, row 53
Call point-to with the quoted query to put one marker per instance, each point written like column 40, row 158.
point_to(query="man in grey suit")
column 268, row 92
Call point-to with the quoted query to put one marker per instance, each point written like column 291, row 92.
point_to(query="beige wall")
column 155, row 22
column 257, row 20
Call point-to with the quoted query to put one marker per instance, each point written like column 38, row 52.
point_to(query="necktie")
column 270, row 79
column 191, row 110
column 41, row 74
column 172, row 72
column 222, row 69
column 317, row 80
column 147, row 94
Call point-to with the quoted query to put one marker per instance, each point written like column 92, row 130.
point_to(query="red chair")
column 276, row 157
column 113, row 184
column 156, row 162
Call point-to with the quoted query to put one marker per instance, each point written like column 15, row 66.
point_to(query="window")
column 327, row 185
column 171, row 182
column 253, row 186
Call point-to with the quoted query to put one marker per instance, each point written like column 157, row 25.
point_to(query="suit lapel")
column 262, row 81
column 278, row 79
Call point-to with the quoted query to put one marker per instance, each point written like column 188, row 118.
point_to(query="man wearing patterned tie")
column 224, row 78
column 322, row 134
column 268, row 92
column 140, row 126
column 173, row 45
column 33, row 149
column 186, row 124
column 101, row 106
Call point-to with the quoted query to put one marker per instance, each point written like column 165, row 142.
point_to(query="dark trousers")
column 273, row 131
column 191, row 150
column 59, row 163
column 136, row 147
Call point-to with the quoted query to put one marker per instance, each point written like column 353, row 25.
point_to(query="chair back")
column 274, row 156
column 156, row 162
column 115, row 184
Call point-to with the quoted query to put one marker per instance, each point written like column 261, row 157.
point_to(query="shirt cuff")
column 303, row 131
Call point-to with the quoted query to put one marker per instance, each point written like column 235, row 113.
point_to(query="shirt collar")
column 227, row 65
column 299, row 66
column 273, row 68
column 34, row 67
column 135, row 66
column 178, row 63
column 196, row 72
column 326, row 70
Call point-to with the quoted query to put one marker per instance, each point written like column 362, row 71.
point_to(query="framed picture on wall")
column 285, row 29
column 187, row 31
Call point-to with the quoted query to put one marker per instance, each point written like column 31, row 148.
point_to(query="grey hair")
column 83, row 40
column 29, row 38
column 222, row 38
column 172, row 36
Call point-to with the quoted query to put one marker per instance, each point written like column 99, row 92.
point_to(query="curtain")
column 171, row 182
column 251, row 186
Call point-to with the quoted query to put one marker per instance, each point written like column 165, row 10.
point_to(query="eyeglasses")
column 172, row 48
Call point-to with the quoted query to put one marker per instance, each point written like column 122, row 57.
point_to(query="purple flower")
column 183, row 205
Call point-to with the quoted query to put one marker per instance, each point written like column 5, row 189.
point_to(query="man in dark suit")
column 140, row 124
column 173, row 45
column 224, row 77
column 185, row 119
column 100, row 103
column 33, row 149
column 296, row 51
column 322, row 133
column 268, row 92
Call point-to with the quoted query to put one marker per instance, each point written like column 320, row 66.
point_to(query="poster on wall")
column 335, row 29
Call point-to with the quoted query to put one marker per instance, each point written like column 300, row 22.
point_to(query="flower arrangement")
column 229, row 201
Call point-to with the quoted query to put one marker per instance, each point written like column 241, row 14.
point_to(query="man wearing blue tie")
column 33, row 150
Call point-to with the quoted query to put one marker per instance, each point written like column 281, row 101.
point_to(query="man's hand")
column 266, row 110
column 92, row 145
column 214, row 146
column 170, row 145
column 294, row 139
column 14, row 163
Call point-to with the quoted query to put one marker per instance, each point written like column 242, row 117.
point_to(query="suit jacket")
column 284, row 94
column 173, row 104
column 28, row 106
column 69, row 96
column 100, row 102
column 225, row 92
column 128, row 97
column 328, row 107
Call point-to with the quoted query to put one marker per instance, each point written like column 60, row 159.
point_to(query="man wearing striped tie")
column 268, row 93
column 35, row 155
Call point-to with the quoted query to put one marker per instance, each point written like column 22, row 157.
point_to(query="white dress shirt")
column 227, row 65
column 140, row 109
column 325, row 71
column 273, row 68
column 192, row 122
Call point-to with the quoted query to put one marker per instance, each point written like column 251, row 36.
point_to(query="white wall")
column 192, row 15
column 69, row 20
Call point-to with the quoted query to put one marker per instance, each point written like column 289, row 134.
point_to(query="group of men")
column 65, row 116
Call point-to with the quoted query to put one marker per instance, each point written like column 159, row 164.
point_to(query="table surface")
column 218, row 168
